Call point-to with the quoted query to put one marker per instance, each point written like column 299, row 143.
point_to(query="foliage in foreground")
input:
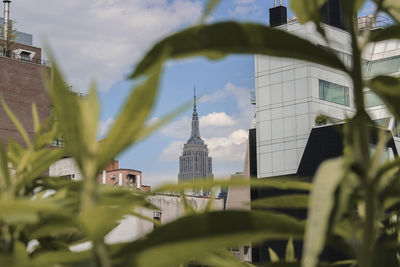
column 352, row 201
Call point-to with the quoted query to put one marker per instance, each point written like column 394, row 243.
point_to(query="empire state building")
column 194, row 163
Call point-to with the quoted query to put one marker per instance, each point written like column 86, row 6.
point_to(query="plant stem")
column 361, row 150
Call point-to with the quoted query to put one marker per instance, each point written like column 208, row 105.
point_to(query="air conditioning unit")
column 23, row 54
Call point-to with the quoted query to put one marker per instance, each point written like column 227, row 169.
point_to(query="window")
column 334, row 93
column 396, row 128
column 383, row 123
column 371, row 99
column 25, row 56
column 383, row 66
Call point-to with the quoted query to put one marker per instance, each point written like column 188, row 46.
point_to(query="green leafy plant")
column 321, row 119
column 353, row 202
column 7, row 45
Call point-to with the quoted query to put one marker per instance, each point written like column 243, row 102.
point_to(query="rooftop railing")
column 17, row 56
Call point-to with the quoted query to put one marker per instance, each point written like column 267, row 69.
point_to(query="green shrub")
column 351, row 202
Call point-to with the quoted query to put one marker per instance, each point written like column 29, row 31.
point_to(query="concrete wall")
column 66, row 167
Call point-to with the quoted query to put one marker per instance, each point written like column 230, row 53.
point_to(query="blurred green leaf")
column 63, row 257
column 35, row 118
column 210, row 6
column 174, row 243
column 218, row 40
column 392, row 7
column 222, row 258
column 273, row 256
column 126, row 130
column 328, row 177
column 75, row 124
column 16, row 122
column 392, row 32
column 286, row 201
column 289, row 256
column 283, row 183
column 387, row 88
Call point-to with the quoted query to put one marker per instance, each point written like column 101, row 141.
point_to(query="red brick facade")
column 114, row 176
column 21, row 84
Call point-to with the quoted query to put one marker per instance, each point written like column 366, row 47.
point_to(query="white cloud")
column 222, row 149
column 216, row 119
column 178, row 129
column 244, row 2
column 212, row 124
column 242, row 97
column 244, row 8
column 104, row 126
column 155, row 179
column 172, row 151
column 102, row 39
column 231, row 148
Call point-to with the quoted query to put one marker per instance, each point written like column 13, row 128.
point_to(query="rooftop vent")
column 277, row 14
column 6, row 17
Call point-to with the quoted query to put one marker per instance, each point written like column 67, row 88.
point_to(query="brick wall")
column 21, row 84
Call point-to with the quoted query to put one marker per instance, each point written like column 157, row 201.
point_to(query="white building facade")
column 291, row 93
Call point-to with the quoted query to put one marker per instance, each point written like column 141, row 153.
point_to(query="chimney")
column 6, row 17
column 277, row 14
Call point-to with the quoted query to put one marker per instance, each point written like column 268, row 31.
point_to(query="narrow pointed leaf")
column 327, row 179
column 16, row 122
column 392, row 7
column 272, row 255
column 35, row 117
column 388, row 89
column 208, row 232
column 286, row 201
column 392, row 32
column 289, row 256
column 127, row 130
column 218, row 40
column 210, row 6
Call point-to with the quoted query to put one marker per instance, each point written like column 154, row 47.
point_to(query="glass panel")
column 334, row 93
column 384, row 66
column 371, row 99
column 386, row 152
column 396, row 129
column 383, row 123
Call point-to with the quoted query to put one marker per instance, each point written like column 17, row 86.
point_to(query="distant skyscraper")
column 194, row 163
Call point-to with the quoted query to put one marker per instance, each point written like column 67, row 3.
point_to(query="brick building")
column 22, row 74
column 114, row 176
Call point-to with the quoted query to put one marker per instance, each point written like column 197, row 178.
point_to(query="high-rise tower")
column 194, row 163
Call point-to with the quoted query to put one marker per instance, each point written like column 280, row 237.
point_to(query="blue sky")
column 102, row 40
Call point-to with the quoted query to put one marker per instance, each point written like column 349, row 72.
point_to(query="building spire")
column 194, row 98
column 195, row 134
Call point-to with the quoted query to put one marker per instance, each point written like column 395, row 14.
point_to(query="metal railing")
column 372, row 22
column 16, row 56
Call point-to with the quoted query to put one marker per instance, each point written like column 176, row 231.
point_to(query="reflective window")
column 334, row 93
column 396, row 129
column 383, row 123
column 371, row 99
column 383, row 66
